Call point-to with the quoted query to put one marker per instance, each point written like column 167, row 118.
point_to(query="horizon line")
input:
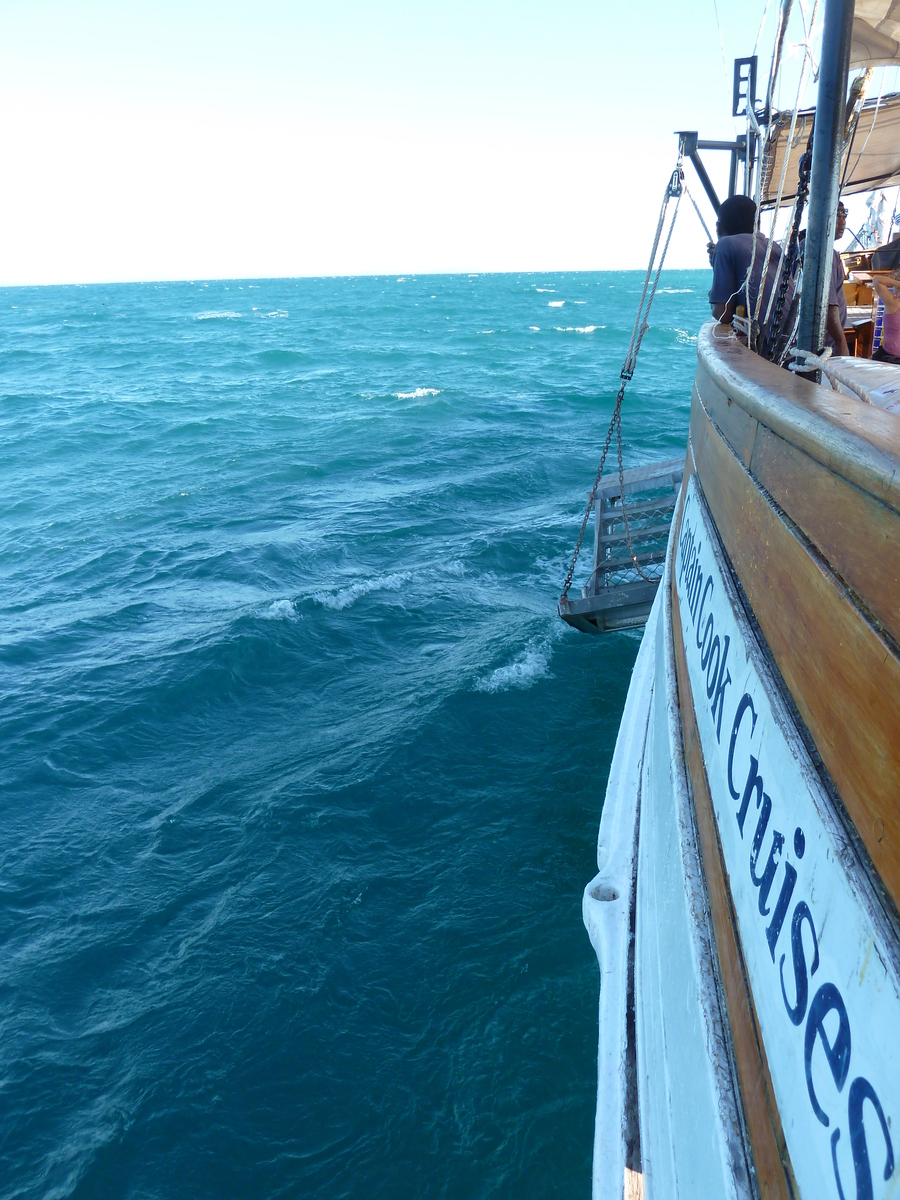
column 399, row 276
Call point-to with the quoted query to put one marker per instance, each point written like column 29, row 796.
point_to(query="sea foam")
column 344, row 597
column 280, row 610
column 522, row 672
column 418, row 394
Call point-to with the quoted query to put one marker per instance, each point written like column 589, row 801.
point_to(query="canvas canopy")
column 871, row 160
column 876, row 33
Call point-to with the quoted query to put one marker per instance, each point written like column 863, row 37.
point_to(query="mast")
column 826, row 163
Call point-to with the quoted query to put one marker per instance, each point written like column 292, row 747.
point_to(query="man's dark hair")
column 736, row 215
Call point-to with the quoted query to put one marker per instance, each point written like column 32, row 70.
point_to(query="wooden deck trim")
column 843, row 676
column 857, row 535
column 856, row 441
column 770, row 1154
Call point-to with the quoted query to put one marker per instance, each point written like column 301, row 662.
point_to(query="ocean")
column 301, row 772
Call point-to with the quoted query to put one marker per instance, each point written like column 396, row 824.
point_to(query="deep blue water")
column 301, row 774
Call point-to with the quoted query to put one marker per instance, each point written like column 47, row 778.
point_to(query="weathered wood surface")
column 627, row 560
column 613, row 512
column 640, row 592
column 843, row 675
column 738, row 427
column 643, row 531
column 859, row 442
column 771, row 1158
column 635, row 476
column 859, row 537
column 857, row 534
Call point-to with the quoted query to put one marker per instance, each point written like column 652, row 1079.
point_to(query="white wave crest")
column 555, row 303
column 217, row 316
column 418, row 394
column 677, row 291
column 578, row 328
column 535, row 328
column 280, row 610
column 524, row 671
column 344, row 597
column 545, row 289
column 684, row 338
column 279, row 312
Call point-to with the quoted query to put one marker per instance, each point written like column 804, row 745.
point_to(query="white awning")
column 873, row 156
column 876, row 33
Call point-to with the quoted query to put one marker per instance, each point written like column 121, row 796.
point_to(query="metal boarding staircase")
column 617, row 595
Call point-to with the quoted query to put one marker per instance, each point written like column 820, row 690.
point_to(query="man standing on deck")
column 731, row 257
column 836, row 314
column 836, row 318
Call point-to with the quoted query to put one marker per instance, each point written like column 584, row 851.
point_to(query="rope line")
column 674, row 190
column 787, row 154
column 806, row 360
column 700, row 214
column 722, row 45
column 761, row 24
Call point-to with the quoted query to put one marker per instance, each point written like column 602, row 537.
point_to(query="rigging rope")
column 806, row 360
column 787, row 154
column 777, row 347
column 761, row 24
column 780, row 272
column 722, row 45
column 871, row 127
column 700, row 214
column 674, row 190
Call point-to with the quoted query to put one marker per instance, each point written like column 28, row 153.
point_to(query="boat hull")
column 750, row 959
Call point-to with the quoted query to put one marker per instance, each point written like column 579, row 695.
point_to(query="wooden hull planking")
column 765, row 971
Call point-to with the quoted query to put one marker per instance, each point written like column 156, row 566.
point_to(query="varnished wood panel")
column 859, row 537
column 844, row 677
column 770, row 1153
column 738, row 427
column 859, row 442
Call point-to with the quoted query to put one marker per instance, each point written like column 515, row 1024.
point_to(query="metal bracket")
column 689, row 145
column 744, row 93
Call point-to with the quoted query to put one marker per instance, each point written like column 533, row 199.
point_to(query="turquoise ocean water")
column 301, row 774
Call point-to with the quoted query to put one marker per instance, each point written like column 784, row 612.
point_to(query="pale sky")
column 216, row 140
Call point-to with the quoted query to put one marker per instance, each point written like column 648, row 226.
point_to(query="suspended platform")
column 617, row 595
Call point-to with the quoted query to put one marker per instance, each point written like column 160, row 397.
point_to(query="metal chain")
column 775, row 346
column 634, row 560
column 674, row 190
column 587, row 512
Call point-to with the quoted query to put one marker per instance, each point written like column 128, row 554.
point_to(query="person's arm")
column 886, row 296
column 833, row 325
column 723, row 312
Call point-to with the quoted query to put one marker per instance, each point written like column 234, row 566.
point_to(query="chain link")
column 616, row 420
column 673, row 191
column 778, row 338
column 622, row 501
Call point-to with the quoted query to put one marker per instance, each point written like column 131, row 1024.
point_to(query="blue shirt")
column 731, row 263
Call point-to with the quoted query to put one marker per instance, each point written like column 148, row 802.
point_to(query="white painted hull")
column 691, row 1143
column 819, row 953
